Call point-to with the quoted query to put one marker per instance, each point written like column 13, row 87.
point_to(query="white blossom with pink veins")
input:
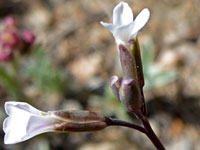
column 125, row 27
column 24, row 122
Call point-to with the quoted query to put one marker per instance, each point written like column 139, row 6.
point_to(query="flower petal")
column 140, row 21
column 108, row 26
column 20, row 130
column 10, row 108
column 19, row 125
column 122, row 14
column 39, row 124
column 15, row 127
column 122, row 34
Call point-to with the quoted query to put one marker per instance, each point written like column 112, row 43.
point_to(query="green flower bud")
column 135, row 50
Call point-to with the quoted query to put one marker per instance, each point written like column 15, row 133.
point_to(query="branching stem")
column 116, row 122
column 151, row 135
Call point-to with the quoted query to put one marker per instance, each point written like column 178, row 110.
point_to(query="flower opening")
column 125, row 27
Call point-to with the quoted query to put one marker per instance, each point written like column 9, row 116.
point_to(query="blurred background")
column 62, row 58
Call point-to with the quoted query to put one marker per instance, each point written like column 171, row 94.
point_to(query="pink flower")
column 10, row 22
column 5, row 54
column 9, row 39
column 28, row 37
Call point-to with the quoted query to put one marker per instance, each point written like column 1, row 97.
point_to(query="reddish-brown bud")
column 128, row 63
column 130, row 95
column 80, row 127
column 115, row 85
column 78, row 121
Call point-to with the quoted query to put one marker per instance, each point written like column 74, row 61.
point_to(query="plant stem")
column 142, row 115
column 116, row 122
column 150, row 133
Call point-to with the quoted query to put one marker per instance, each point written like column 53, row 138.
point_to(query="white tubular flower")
column 124, row 27
column 24, row 122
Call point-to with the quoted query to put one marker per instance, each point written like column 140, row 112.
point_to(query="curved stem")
column 142, row 115
column 117, row 122
column 151, row 135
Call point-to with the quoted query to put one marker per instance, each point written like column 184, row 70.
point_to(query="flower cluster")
column 11, row 39
column 25, row 121
column 125, row 29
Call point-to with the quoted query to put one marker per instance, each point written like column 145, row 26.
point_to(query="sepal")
column 127, row 62
column 135, row 50
column 130, row 95
column 115, row 85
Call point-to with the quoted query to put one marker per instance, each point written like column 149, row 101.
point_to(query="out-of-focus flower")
column 10, row 39
column 125, row 27
column 28, row 37
column 25, row 121
column 5, row 54
column 10, row 23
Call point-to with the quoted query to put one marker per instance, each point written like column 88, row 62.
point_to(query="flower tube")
column 24, row 122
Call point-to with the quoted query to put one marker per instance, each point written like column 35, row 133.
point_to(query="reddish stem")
column 116, row 122
column 152, row 136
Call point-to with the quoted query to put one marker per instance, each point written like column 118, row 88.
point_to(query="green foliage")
column 10, row 80
column 44, row 74
column 154, row 75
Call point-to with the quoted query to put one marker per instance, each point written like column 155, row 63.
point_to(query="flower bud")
column 10, row 23
column 78, row 116
column 28, row 37
column 135, row 50
column 78, row 121
column 115, row 85
column 128, row 63
column 5, row 54
column 130, row 95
